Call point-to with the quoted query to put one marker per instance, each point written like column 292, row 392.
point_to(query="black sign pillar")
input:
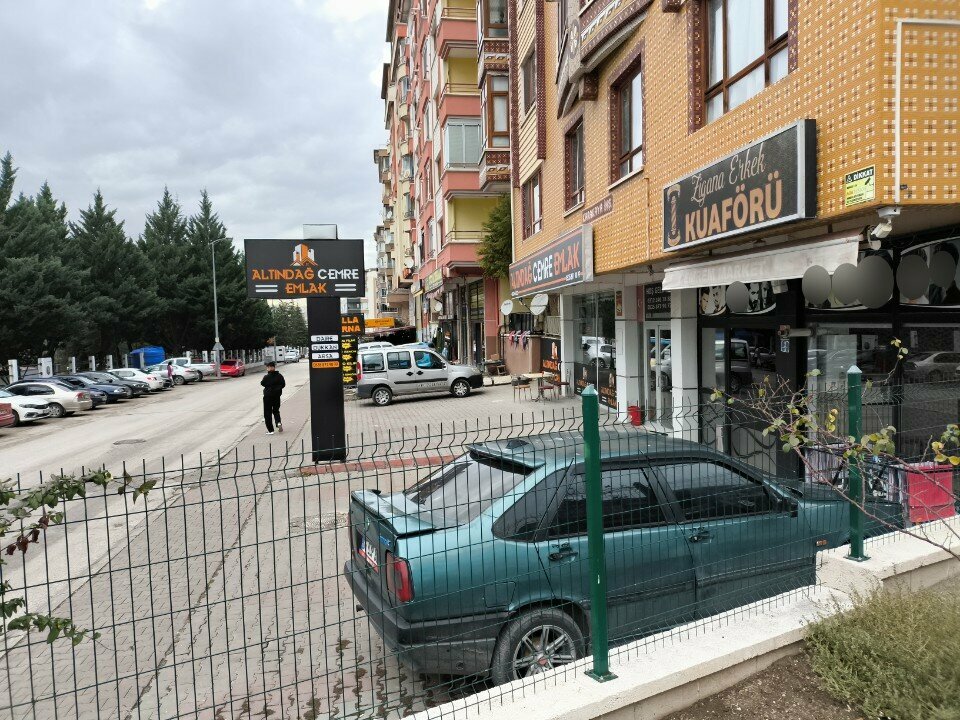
column 328, row 434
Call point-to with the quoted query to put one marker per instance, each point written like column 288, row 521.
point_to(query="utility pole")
column 217, row 347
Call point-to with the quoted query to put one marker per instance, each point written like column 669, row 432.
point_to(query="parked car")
column 931, row 366
column 106, row 378
column 741, row 373
column 204, row 369
column 594, row 348
column 153, row 381
column 63, row 399
column 181, row 375
column 401, row 371
column 6, row 415
column 25, row 409
column 483, row 568
column 292, row 356
column 112, row 393
column 233, row 368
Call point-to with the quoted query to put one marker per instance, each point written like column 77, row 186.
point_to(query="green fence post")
column 598, row 566
column 855, row 429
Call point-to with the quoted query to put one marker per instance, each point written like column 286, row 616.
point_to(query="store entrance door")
column 658, row 380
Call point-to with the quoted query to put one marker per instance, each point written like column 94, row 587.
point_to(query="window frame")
column 462, row 123
column 620, row 88
column 528, row 81
column 490, row 95
column 772, row 47
column 487, row 26
column 574, row 167
column 531, row 225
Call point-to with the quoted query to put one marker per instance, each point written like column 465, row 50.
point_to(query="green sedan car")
column 482, row 567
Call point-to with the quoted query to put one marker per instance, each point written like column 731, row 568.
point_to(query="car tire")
column 177, row 380
column 523, row 638
column 382, row 396
column 460, row 388
column 16, row 419
column 57, row 411
column 735, row 383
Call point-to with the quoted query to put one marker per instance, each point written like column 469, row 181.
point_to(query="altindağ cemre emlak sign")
column 304, row 268
column 770, row 182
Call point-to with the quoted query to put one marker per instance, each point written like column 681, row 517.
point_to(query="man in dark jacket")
column 273, row 384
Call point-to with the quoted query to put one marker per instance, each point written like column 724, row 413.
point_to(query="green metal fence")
column 432, row 564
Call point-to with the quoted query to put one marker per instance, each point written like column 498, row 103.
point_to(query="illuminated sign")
column 281, row 269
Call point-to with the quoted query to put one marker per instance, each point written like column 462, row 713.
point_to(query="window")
column 398, row 361
column 628, row 502
column 574, row 166
column 628, row 129
column 709, row 491
column 404, row 88
column 427, row 360
column 746, row 50
column 462, row 142
column 495, row 18
column 532, row 218
column 372, row 363
column 497, row 111
column 528, row 73
column 406, row 165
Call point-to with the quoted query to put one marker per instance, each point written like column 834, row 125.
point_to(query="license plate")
column 368, row 552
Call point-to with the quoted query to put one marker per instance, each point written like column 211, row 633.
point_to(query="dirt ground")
column 787, row 690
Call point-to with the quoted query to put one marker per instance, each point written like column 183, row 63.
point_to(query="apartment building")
column 715, row 190
column 450, row 164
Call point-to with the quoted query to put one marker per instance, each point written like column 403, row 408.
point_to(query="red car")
column 7, row 418
column 232, row 368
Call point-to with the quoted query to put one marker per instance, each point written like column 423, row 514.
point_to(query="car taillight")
column 399, row 582
column 150, row 377
column 81, row 396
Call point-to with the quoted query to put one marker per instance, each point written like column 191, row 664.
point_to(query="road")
column 164, row 428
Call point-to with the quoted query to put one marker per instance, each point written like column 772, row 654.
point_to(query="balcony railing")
column 465, row 89
column 456, row 13
column 463, row 236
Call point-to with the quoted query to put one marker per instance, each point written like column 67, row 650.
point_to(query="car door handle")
column 419, row 372
column 564, row 551
column 701, row 535
column 410, row 373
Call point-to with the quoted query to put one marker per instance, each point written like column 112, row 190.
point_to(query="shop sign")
column 566, row 261
column 434, row 280
column 379, row 323
column 351, row 330
column 768, row 183
column 550, row 357
column 656, row 302
column 282, row 269
column 598, row 210
column 603, row 379
column 860, row 186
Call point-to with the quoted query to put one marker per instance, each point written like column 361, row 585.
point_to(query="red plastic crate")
column 930, row 492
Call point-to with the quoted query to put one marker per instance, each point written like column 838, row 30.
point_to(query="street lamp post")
column 217, row 347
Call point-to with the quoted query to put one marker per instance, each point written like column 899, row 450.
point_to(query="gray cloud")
column 273, row 106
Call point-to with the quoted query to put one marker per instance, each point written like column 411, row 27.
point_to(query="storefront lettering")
column 559, row 264
column 772, row 181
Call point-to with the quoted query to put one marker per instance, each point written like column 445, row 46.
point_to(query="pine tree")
column 119, row 294
column 495, row 250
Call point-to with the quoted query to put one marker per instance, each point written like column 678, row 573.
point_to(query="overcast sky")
column 271, row 105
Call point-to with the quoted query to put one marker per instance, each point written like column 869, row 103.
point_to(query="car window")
column 709, row 491
column 738, row 351
column 398, row 361
column 372, row 362
column 628, row 502
column 427, row 360
column 457, row 493
column 521, row 520
column 41, row 390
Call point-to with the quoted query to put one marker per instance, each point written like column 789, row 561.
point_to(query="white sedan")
column 26, row 409
column 154, row 380
column 181, row 375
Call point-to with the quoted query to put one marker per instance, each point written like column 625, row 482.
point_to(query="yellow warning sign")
column 860, row 186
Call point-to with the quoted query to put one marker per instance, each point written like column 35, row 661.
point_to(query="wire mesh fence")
column 431, row 563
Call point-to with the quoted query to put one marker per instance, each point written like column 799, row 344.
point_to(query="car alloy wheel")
column 536, row 641
column 382, row 396
column 177, row 380
column 460, row 388
column 56, row 410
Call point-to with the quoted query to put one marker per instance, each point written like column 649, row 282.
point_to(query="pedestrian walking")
column 273, row 384
column 170, row 372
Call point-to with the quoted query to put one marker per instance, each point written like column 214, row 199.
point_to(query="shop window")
column 528, row 75
column 521, row 322
column 532, row 211
column 574, row 166
column 627, row 111
column 746, row 50
column 595, row 362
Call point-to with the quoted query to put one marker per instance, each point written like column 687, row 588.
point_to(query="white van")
column 385, row 372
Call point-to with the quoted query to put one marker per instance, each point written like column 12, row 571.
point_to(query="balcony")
column 457, row 30
column 463, row 236
column 495, row 169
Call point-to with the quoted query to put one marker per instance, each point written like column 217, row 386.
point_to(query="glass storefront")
column 595, row 332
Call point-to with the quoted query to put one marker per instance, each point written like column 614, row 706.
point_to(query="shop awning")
column 781, row 263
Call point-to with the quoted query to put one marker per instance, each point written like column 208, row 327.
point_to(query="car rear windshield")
column 229, row 362
column 457, row 493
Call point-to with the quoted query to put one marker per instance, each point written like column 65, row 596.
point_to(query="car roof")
column 615, row 443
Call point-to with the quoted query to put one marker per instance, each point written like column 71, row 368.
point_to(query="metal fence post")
column 598, row 566
column 855, row 429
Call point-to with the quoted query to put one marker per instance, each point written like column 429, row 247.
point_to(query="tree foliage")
column 288, row 324
column 85, row 287
column 496, row 248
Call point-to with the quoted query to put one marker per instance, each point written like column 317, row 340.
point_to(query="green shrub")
column 894, row 655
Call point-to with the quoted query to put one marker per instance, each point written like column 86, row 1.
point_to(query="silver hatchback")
column 385, row 372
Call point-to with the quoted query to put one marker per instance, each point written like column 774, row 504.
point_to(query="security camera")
column 885, row 226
